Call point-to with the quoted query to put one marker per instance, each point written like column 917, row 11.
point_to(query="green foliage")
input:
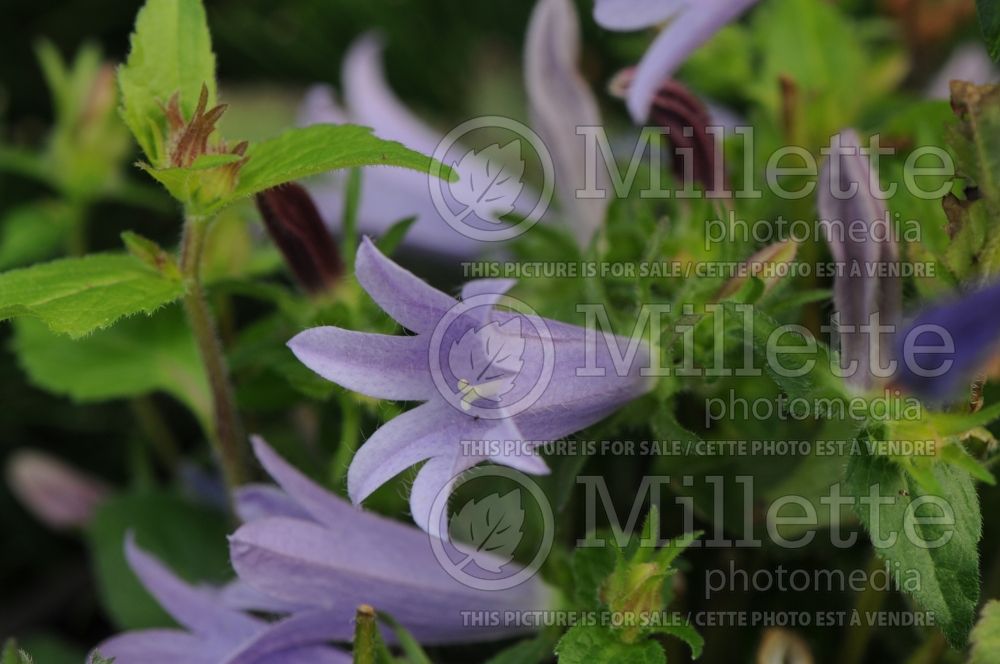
column 589, row 644
column 989, row 20
column 300, row 153
column 11, row 654
column 630, row 585
column 948, row 572
column 34, row 231
column 138, row 356
column 76, row 296
column 189, row 539
column 171, row 54
column 986, row 635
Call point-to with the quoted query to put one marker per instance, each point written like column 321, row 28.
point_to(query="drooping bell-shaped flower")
column 867, row 288
column 484, row 374
column 560, row 102
column 689, row 24
column 387, row 195
column 947, row 344
column 305, row 547
column 213, row 633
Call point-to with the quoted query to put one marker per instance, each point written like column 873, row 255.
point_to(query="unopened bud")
column 295, row 226
column 55, row 493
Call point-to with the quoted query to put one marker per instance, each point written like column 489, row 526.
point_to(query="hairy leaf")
column 76, row 296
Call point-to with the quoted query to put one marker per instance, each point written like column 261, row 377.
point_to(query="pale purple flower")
column 867, row 288
column 537, row 389
column 388, row 195
column 560, row 102
column 969, row 62
column 690, row 23
column 55, row 493
column 946, row 344
column 213, row 633
column 306, row 548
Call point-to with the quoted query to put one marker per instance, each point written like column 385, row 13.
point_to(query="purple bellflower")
column 946, row 344
column 387, row 196
column 867, row 288
column 690, row 23
column 213, row 633
column 484, row 375
column 559, row 102
column 302, row 546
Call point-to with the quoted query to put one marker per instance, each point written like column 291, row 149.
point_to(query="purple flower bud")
column 56, row 494
column 294, row 224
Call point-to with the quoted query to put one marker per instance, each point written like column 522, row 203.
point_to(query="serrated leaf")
column 488, row 530
column 171, row 52
column 76, row 296
column 138, row 356
column 491, row 181
column 986, row 635
column 585, row 644
column 685, row 632
column 948, row 574
column 189, row 539
column 151, row 254
column 304, row 152
column 531, row 651
column 989, row 21
column 591, row 566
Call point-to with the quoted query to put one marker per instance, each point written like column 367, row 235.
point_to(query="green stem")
column 228, row 433
column 155, row 430
column 868, row 601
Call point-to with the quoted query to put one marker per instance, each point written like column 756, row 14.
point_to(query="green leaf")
column 531, row 651
column 138, row 356
column 948, row 574
column 76, row 296
column 685, row 632
column 11, row 654
column 393, row 237
column 986, row 635
column 989, row 21
column 591, row 566
column 301, row 153
column 407, row 643
column 585, row 644
column 189, row 539
column 151, row 254
column 171, row 53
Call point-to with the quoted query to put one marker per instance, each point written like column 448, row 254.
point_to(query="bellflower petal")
column 342, row 557
column 691, row 24
column 411, row 302
column 217, row 634
column 492, row 355
column 560, row 101
column 347, row 357
column 851, row 215
column 969, row 62
column 689, row 30
column 628, row 15
column 386, row 196
column 963, row 332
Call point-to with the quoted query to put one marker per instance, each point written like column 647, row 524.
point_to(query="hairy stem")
column 228, row 436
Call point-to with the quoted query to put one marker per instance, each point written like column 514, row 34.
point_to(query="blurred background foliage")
column 449, row 60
